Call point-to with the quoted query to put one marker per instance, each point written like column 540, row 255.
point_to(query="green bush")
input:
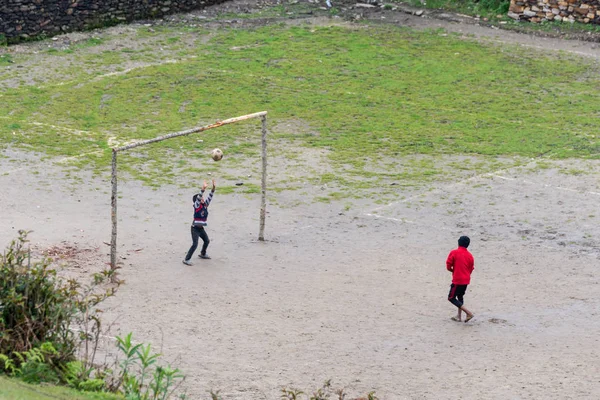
column 35, row 306
column 37, row 343
column 37, row 313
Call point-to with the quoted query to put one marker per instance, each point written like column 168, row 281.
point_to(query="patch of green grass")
column 381, row 93
column 277, row 11
column 488, row 8
column 6, row 59
column 94, row 41
column 574, row 171
column 13, row 389
column 565, row 29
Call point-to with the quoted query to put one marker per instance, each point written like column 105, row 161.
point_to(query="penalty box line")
column 62, row 160
column 546, row 185
column 374, row 214
column 473, row 178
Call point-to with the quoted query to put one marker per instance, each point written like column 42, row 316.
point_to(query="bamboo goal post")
column 263, row 200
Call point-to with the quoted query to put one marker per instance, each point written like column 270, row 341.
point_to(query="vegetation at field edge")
column 485, row 8
column 14, row 389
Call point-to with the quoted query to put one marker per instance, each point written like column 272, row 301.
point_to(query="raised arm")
column 210, row 195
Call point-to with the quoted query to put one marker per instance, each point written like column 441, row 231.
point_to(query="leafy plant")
column 77, row 376
column 323, row 393
column 37, row 313
column 36, row 365
column 35, row 307
column 139, row 377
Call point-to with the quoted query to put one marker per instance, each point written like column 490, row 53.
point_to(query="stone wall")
column 23, row 19
column 555, row 10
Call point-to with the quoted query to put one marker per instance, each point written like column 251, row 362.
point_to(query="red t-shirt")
column 460, row 261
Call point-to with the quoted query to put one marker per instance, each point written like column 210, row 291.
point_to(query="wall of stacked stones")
column 555, row 10
column 23, row 19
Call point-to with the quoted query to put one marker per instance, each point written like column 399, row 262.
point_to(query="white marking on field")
column 373, row 213
column 473, row 178
column 128, row 70
column 404, row 220
column 547, row 185
column 505, row 178
column 64, row 128
column 62, row 160
column 118, row 73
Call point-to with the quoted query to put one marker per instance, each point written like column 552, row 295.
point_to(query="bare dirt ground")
column 356, row 296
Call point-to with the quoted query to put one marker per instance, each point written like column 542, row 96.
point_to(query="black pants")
column 198, row 231
column 456, row 294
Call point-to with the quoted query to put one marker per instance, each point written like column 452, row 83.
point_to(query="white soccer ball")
column 217, row 154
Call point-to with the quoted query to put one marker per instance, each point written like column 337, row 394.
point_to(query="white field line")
column 59, row 127
column 128, row 70
column 475, row 177
column 546, row 185
column 373, row 213
column 62, row 160
column 405, row 221
column 118, row 73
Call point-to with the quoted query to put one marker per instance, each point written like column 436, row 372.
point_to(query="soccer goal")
column 263, row 198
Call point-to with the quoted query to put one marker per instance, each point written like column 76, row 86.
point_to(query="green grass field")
column 12, row 389
column 371, row 95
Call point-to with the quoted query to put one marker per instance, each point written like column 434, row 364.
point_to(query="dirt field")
column 357, row 296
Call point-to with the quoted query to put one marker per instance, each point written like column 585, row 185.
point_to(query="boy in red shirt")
column 461, row 263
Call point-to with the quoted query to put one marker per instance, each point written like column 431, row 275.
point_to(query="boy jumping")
column 461, row 263
column 200, row 217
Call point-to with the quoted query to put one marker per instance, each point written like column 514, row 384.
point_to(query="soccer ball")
column 217, row 154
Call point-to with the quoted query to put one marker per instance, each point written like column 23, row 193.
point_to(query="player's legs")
column 205, row 239
column 456, row 297
column 460, row 298
column 195, row 234
column 452, row 295
column 460, row 292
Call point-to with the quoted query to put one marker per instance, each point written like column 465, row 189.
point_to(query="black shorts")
column 457, row 291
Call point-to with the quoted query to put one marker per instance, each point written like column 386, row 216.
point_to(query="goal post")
column 263, row 201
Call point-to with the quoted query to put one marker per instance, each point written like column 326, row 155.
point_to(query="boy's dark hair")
column 194, row 198
column 464, row 241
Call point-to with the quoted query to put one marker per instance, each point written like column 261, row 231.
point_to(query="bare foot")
column 469, row 317
column 455, row 319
